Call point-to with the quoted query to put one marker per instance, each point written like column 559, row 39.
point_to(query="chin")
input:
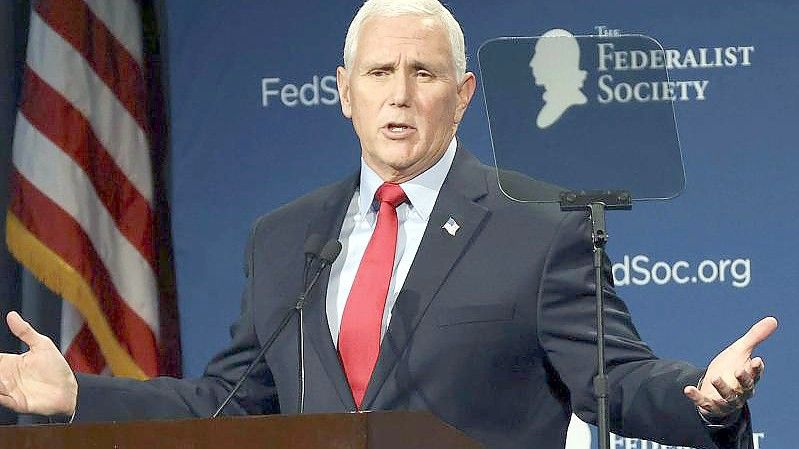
column 398, row 157
column 399, row 166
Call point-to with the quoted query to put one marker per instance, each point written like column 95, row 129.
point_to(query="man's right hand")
column 39, row 381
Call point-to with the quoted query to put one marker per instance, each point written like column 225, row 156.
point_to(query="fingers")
column 700, row 400
column 723, row 399
column 732, row 374
column 716, row 406
column 25, row 331
column 747, row 378
column 729, row 395
column 758, row 333
column 758, row 366
column 746, row 381
column 694, row 394
column 8, row 402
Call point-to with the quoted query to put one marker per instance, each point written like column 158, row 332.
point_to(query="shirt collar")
column 422, row 191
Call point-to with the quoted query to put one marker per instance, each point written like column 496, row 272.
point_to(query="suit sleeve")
column 645, row 393
column 116, row 399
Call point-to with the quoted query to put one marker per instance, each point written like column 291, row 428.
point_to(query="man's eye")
column 424, row 74
column 378, row 73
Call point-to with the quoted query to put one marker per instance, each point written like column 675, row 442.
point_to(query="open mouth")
column 398, row 129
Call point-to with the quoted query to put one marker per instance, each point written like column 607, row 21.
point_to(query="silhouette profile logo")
column 556, row 67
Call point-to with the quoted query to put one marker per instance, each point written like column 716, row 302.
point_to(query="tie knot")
column 391, row 194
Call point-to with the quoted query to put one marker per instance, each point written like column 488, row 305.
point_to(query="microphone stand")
column 328, row 254
column 596, row 203
column 299, row 307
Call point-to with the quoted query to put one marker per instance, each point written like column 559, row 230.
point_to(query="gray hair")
column 394, row 8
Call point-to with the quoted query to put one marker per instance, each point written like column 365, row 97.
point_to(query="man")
column 446, row 297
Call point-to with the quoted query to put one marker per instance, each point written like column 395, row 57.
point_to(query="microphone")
column 327, row 256
column 330, row 251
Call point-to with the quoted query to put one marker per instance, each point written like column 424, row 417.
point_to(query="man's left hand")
column 731, row 376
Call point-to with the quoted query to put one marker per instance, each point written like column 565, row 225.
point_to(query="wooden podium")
column 379, row 430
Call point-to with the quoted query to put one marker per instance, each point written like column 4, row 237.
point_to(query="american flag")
column 83, row 210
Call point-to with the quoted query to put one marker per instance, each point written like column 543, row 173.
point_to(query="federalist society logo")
column 556, row 67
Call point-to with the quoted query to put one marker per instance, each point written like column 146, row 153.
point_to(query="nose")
column 401, row 91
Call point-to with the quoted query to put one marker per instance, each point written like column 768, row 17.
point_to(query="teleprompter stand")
column 596, row 202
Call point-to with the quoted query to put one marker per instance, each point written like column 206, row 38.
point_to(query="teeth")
column 398, row 128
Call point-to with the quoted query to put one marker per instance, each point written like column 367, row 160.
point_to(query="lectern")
column 378, row 430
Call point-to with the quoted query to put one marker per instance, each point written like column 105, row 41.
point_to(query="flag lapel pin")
column 451, row 226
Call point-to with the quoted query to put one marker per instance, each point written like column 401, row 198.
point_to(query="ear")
column 343, row 83
column 465, row 94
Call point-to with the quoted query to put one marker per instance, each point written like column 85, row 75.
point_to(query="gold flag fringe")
column 64, row 280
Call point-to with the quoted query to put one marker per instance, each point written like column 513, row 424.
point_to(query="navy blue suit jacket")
column 493, row 331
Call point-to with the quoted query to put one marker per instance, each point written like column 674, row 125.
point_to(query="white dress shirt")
column 359, row 223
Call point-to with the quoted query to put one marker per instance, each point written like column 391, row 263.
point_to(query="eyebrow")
column 429, row 67
column 416, row 65
column 379, row 66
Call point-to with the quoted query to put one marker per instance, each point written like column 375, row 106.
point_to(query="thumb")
column 757, row 334
column 24, row 331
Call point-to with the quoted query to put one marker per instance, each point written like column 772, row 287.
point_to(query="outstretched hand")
column 731, row 376
column 39, row 381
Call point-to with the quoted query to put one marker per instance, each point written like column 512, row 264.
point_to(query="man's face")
column 535, row 66
column 403, row 95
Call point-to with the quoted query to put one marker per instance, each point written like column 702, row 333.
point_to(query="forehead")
column 421, row 36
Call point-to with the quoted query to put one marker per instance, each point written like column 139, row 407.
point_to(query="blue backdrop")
column 256, row 122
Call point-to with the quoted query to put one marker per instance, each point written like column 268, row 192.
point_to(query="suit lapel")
column 438, row 253
column 327, row 223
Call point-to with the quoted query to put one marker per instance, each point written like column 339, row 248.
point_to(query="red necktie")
column 359, row 336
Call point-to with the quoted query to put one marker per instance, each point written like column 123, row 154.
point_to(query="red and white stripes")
column 81, row 213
